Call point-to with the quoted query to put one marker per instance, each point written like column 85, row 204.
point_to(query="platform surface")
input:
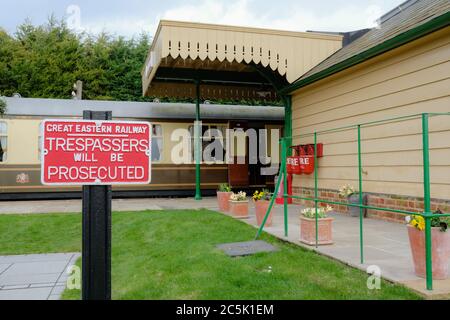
column 35, row 276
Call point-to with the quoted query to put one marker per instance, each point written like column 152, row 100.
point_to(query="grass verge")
column 172, row 255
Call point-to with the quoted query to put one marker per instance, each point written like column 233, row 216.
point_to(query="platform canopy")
column 205, row 61
column 231, row 62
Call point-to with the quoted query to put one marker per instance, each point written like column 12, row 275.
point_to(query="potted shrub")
column 223, row 197
column 440, row 240
column 262, row 201
column 352, row 197
column 239, row 205
column 308, row 226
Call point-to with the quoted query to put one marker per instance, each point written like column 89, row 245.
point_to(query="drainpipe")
column 287, row 101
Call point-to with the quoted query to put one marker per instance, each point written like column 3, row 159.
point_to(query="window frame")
column 161, row 153
column 208, row 139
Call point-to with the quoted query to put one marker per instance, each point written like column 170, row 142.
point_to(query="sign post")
column 96, row 234
column 96, row 153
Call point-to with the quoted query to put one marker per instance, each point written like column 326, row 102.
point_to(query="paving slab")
column 4, row 266
column 238, row 249
column 441, row 288
column 35, row 276
column 25, row 294
column 39, row 267
column 42, row 285
column 36, row 257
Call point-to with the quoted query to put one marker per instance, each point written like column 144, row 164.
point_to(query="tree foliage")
column 3, row 107
column 45, row 61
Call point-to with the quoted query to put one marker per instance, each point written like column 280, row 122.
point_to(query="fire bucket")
column 293, row 165
column 280, row 199
column 306, row 164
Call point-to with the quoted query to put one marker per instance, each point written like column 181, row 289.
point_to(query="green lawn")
column 172, row 255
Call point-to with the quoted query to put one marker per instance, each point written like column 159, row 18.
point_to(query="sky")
column 131, row 17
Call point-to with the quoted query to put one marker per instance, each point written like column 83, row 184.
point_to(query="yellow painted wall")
column 409, row 80
column 22, row 141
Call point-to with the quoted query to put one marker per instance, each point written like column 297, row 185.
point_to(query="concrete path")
column 34, row 276
column 69, row 206
column 386, row 246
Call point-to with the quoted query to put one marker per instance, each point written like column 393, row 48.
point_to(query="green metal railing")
column 426, row 214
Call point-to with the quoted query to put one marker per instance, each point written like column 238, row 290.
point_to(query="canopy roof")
column 37, row 107
column 231, row 62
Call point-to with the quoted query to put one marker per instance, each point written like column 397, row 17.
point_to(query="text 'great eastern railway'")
column 90, row 152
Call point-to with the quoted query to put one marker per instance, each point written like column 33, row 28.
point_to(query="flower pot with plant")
column 239, row 205
column 308, row 226
column 352, row 197
column 223, row 197
column 262, row 201
column 440, row 245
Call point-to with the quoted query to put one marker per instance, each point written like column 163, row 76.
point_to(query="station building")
column 327, row 81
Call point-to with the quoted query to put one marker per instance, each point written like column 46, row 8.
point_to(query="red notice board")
column 92, row 152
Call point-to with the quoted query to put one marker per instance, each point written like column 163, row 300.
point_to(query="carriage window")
column 3, row 141
column 157, row 142
column 219, row 136
column 209, row 137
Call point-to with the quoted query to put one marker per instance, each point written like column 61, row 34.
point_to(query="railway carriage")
column 20, row 142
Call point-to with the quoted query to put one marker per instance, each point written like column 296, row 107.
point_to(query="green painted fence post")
column 288, row 123
column 277, row 188
column 316, row 191
column 285, row 184
column 361, row 215
column 426, row 199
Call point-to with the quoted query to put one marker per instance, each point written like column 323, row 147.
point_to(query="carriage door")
column 256, row 145
column 238, row 173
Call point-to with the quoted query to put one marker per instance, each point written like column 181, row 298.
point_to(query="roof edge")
column 225, row 27
column 428, row 27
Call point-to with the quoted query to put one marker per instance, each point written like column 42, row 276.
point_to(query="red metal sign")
column 91, row 152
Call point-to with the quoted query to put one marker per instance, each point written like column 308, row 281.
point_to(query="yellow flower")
column 256, row 195
column 418, row 222
column 421, row 226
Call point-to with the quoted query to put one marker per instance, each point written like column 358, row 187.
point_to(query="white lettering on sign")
column 304, row 161
column 95, row 152
column 93, row 173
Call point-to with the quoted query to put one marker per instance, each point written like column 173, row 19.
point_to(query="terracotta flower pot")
column 308, row 231
column 239, row 209
column 223, row 199
column 261, row 207
column 440, row 244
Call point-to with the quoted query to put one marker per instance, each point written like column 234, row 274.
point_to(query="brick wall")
column 390, row 201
